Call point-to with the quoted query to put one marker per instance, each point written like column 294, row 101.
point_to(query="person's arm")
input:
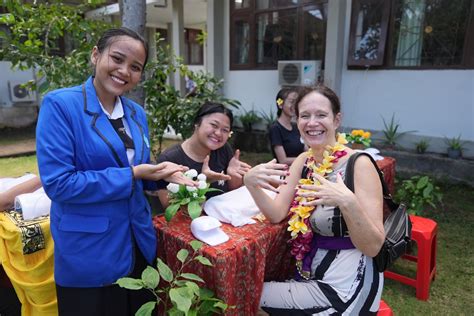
column 281, row 155
column 63, row 179
column 268, row 176
column 164, row 198
column 7, row 198
column 362, row 210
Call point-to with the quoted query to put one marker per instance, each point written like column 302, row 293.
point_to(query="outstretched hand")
column 212, row 175
column 237, row 168
column 267, row 176
column 167, row 171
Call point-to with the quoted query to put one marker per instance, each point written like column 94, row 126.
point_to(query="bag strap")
column 349, row 178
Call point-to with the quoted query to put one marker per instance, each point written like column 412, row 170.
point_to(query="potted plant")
column 188, row 199
column 455, row 147
column 268, row 118
column 391, row 132
column 248, row 119
column 359, row 139
column 177, row 293
column 422, row 146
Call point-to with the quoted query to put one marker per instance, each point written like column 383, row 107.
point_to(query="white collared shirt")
column 118, row 113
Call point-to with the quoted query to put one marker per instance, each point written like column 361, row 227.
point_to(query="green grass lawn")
column 15, row 167
column 452, row 292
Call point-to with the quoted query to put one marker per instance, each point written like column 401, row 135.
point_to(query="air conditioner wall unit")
column 19, row 93
column 299, row 72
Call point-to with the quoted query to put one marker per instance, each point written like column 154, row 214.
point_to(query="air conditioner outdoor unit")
column 299, row 72
column 19, row 93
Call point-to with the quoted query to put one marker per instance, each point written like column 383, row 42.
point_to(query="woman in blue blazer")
column 93, row 156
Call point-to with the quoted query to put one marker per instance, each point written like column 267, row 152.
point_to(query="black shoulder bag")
column 397, row 225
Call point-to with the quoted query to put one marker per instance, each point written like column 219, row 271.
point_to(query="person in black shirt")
column 208, row 152
column 285, row 138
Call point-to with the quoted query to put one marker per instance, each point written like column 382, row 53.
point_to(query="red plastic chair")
column 384, row 309
column 424, row 232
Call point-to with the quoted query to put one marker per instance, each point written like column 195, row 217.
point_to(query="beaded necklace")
column 298, row 224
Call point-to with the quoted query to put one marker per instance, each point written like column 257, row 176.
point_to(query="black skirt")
column 107, row 300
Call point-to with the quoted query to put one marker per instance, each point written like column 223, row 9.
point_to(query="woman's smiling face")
column 118, row 68
column 316, row 121
column 213, row 130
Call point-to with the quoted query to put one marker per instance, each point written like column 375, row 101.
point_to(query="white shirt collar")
column 117, row 112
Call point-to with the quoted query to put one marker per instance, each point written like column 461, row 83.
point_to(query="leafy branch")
column 181, row 294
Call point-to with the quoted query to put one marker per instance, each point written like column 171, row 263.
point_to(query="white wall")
column 254, row 89
column 435, row 103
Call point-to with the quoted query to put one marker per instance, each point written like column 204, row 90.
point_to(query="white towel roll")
column 33, row 205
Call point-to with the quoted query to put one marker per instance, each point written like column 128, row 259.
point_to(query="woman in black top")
column 208, row 152
column 284, row 135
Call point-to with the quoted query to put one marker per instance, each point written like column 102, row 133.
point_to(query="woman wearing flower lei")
column 334, row 232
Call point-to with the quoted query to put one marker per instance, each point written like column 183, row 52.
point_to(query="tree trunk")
column 134, row 18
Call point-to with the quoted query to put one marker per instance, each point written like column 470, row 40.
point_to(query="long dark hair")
column 107, row 39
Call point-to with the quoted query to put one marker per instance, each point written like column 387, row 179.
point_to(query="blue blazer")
column 98, row 212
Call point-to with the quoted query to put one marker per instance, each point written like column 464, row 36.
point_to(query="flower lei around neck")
column 298, row 224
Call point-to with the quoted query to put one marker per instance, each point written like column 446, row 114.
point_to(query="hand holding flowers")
column 189, row 196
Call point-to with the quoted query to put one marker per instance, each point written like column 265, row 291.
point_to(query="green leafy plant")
column 391, row 132
column 269, row 118
column 417, row 193
column 249, row 118
column 422, row 146
column 455, row 143
column 189, row 197
column 34, row 31
column 179, row 293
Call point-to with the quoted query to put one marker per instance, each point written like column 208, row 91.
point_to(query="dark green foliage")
column 35, row 31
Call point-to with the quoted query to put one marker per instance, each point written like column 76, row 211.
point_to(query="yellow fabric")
column 26, row 253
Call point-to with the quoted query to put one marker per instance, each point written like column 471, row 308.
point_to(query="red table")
column 254, row 254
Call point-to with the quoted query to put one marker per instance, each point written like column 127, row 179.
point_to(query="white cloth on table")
column 8, row 183
column 235, row 207
column 374, row 152
column 33, row 205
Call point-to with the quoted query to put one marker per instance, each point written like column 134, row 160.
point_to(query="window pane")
column 368, row 30
column 314, row 28
column 270, row 4
column 196, row 54
column 276, row 36
column 430, row 32
column 241, row 4
column 241, row 42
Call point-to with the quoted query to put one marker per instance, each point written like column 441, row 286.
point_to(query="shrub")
column 417, row 193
